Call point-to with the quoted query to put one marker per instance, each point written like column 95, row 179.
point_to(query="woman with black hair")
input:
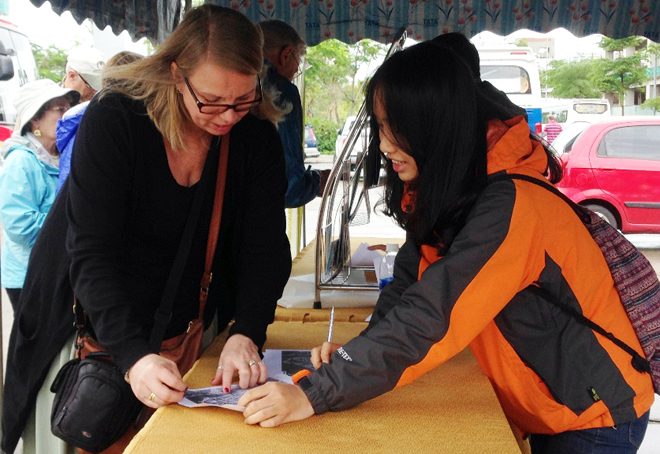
column 485, row 257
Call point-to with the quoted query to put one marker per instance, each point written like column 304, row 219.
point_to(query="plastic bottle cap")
column 392, row 247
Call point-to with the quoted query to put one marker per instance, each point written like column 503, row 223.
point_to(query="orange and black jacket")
column 520, row 247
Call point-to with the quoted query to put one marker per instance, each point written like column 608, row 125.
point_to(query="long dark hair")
column 438, row 115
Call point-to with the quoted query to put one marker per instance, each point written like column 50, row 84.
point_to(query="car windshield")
column 564, row 141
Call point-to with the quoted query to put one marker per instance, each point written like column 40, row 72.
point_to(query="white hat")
column 35, row 94
column 89, row 63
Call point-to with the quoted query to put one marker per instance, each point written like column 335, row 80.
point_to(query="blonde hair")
column 207, row 33
column 125, row 57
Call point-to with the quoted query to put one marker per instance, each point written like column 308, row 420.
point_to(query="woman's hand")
column 156, row 381
column 275, row 403
column 240, row 355
column 321, row 355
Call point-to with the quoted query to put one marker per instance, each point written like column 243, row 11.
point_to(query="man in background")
column 83, row 71
column 552, row 129
column 283, row 50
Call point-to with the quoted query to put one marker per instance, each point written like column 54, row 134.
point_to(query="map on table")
column 281, row 364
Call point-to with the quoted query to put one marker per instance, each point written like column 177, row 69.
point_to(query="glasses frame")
column 83, row 79
column 200, row 105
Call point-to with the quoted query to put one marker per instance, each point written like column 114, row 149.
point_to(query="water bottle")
column 386, row 270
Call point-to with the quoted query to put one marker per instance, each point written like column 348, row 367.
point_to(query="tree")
column 612, row 45
column 653, row 103
column 571, row 79
column 333, row 84
column 652, row 55
column 51, row 62
column 621, row 74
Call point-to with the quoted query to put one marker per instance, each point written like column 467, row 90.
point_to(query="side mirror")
column 6, row 64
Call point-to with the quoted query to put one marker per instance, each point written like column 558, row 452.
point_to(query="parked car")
column 311, row 145
column 360, row 145
column 613, row 168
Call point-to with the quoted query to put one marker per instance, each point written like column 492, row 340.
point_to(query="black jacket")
column 112, row 235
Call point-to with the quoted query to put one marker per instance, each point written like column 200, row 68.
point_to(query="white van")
column 569, row 111
column 17, row 69
column 513, row 70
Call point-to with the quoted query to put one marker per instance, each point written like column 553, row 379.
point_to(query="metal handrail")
column 332, row 257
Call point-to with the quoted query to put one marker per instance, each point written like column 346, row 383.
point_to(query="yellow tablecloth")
column 452, row 409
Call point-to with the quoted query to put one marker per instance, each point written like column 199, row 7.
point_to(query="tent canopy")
column 353, row 20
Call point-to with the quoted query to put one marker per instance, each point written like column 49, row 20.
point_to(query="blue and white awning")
column 353, row 20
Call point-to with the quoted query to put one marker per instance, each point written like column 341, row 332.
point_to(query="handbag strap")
column 214, row 228
column 164, row 312
column 640, row 363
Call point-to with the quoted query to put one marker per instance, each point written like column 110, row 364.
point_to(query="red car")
column 613, row 168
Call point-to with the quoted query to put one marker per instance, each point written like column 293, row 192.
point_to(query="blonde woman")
column 138, row 158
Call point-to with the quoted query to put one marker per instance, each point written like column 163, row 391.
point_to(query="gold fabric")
column 452, row 409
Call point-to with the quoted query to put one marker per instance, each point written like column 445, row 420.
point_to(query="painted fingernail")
column 227, row 390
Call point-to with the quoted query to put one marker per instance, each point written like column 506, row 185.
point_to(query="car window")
column 565, row 140
column 569, row 145
column 508, row 78
column 632, row 142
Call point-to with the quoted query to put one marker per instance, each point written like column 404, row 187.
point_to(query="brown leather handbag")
column 185, row 348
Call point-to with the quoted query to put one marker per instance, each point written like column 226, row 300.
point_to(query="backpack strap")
column 640, row 363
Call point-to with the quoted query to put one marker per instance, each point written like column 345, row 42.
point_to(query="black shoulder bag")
column 94, row 405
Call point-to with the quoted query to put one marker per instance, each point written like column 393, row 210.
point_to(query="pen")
column 332, row 321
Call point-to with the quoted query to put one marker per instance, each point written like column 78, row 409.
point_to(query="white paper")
column 213, row 396
column 364, row 257
column 281, row 364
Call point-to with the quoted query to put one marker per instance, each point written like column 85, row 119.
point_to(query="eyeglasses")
column 222, row 108
column 83, row 79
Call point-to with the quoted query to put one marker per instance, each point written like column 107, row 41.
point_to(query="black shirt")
column 113, row 232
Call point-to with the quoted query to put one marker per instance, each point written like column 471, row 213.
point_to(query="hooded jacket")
column 521, row 246
column 67, row 129
column 27, row 191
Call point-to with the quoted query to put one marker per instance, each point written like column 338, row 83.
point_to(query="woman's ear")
column 174, row 68
column 34, row 125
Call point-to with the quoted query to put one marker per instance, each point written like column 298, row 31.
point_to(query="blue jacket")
column 303, row 184
column 67, row 128
column 27, row 190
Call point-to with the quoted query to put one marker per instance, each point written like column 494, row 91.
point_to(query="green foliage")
column 51, row 62
column 522, row 43
column 651, row 51
column 333, row 89
column 653, row 103
column 571, row 79
column 326, row 134
column 620, row 75
column 611, row 45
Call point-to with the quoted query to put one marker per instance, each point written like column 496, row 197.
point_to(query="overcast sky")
column 45, row 27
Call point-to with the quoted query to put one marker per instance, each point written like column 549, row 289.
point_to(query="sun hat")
column 35, row 94
column 89, row 63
